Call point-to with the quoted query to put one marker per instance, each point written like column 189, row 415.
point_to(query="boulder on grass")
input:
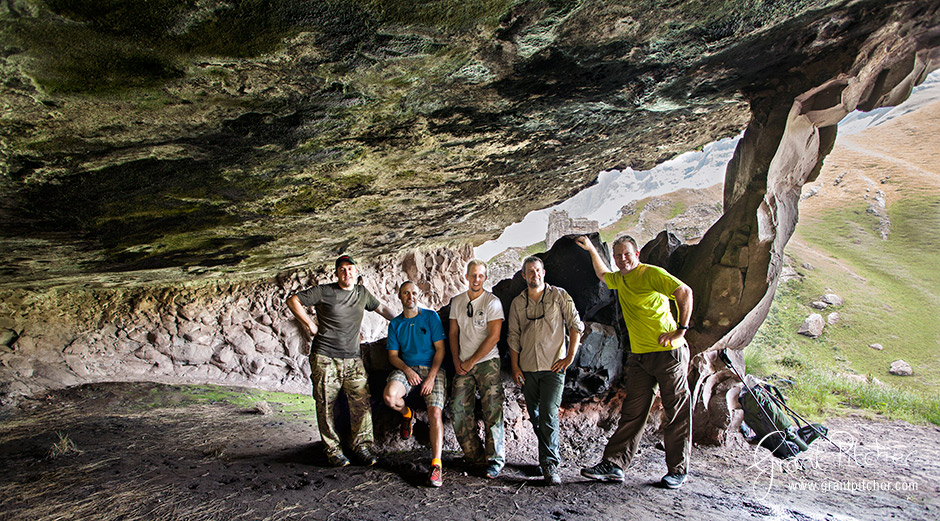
column 812, row 326
column 901, row 368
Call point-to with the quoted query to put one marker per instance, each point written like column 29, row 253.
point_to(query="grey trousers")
column 642, row 373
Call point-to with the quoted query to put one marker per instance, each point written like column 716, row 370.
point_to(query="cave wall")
column 237, row 333
column 734, row 270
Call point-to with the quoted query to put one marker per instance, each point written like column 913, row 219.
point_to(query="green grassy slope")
column 892, row 292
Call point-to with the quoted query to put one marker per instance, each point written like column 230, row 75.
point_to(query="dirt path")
column 143, row 460
column 900, row 158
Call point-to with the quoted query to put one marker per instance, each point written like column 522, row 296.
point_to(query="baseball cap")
column 344, row 258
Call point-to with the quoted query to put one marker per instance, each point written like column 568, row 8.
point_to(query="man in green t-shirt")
column 335, row 361
column 659, row 354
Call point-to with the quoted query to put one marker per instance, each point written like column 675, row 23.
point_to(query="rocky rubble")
column 688, row 214
column 560, row 224
column 814, row 324
column 878, row 208
column 503, row 266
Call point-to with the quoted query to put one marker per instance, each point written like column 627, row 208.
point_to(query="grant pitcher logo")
column 830, row 469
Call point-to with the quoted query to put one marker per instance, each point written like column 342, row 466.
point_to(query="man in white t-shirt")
column 476, row 317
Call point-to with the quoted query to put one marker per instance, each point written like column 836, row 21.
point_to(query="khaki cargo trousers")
column 668, row 369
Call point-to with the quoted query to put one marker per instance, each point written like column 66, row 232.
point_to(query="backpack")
column 765, row 416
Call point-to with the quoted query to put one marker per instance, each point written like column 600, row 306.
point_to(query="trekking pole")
column 816, row 429
column 723, row 356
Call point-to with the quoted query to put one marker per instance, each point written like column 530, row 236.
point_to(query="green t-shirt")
column 644, row 295
column 339, row 316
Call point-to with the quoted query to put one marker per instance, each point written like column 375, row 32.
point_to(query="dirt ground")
column 143, row 454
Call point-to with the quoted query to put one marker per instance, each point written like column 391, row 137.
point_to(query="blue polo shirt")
column 414, row 337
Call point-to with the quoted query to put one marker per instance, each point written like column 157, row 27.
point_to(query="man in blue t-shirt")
column 416, row 350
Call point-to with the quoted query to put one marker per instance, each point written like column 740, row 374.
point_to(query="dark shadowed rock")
column 568, row 266
column 662, row 251
column 375, row 357
column 597, row 366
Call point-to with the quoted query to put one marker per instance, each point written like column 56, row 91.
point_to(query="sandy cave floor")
column 144, row 459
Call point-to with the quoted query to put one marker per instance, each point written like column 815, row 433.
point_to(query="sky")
column 697, row 169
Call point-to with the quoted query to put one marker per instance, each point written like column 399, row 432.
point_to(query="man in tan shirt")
column 540, row 353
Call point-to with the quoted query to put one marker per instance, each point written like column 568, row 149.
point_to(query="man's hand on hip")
column 666, row 339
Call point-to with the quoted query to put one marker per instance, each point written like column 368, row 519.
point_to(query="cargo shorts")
column 437, row 396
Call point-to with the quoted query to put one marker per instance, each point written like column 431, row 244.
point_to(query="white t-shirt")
column 485, row 308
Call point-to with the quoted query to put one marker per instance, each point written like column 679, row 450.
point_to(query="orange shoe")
column 407, row 426
column 434, row 477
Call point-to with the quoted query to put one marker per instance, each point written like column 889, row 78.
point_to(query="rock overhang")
column 158, row 146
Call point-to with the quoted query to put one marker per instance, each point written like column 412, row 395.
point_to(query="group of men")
column 544, row 332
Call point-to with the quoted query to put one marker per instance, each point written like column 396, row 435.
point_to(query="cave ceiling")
column 177, row 139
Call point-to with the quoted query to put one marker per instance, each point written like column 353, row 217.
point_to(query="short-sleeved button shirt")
column 644, row 293
column 414, row 337
column 538, row 330
column 339, row 317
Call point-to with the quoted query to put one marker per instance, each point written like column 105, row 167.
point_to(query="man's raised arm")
column 599, row 267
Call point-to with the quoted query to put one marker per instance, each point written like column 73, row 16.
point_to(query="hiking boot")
column 603, row 471
column 673, row 480
column 474, row 462
column 365, row 456
column 551, row 475
column 337, row 460
column 407, row 426
column 434, row 476
column 492, row 470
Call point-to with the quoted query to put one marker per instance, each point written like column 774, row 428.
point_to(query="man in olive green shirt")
column 659, row 355
column 335, row 359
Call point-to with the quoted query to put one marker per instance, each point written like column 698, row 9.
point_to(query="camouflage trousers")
column 483, row 377
column 329, row 376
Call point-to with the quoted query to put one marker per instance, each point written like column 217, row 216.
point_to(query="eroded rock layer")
column 202, row 139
